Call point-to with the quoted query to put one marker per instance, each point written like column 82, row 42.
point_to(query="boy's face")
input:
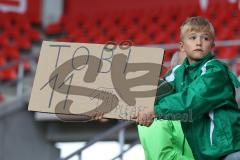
column 196, row 45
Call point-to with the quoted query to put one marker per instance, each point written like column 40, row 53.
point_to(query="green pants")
column 164, row 140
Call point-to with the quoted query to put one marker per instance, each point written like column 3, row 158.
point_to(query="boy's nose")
column 199, row 42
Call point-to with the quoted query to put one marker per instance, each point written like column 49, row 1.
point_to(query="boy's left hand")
column 145, row 117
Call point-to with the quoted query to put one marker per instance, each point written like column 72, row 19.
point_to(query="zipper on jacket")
column 211, row 115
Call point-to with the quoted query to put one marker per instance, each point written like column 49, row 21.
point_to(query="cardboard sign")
column 85, row 79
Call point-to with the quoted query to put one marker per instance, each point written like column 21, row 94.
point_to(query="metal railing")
column 225, row 43
column 126, row 150
column 102, row 136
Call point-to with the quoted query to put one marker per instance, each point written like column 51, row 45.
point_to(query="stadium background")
column 25, row 23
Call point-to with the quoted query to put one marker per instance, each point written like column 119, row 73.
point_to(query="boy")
column 204, row 87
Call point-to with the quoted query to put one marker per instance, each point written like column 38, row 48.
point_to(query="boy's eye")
column 192, row 37
column 206, row 38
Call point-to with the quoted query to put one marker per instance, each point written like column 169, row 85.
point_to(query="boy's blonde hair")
column 198, row 24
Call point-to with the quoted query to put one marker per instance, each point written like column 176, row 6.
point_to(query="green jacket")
column 163, row 140
column 205, row 94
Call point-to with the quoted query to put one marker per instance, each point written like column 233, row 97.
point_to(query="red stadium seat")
column 238, row 67
column 53, row 29
column 227, row 53
column 24, row 44
column 4, row 23
column 34, row 35
column 3, row 40
column 9, row 74
column 2, row 63
column 12, row 53
column 1, row 98
column 62, row 39
column 26, row 66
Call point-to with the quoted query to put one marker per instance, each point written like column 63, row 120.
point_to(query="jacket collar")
column 198, row 63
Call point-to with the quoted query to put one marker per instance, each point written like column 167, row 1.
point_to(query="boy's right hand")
column 145, row 117
column 97, row 116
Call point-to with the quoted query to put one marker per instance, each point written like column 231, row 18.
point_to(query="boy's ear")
column 181, row 46
column 213, row 44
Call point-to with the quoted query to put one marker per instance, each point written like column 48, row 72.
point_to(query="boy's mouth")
column 198, row 50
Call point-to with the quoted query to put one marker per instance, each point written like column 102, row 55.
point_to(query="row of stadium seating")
column 16, row 35
column 148, row 27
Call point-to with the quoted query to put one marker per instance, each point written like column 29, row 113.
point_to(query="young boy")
column 204, row 87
